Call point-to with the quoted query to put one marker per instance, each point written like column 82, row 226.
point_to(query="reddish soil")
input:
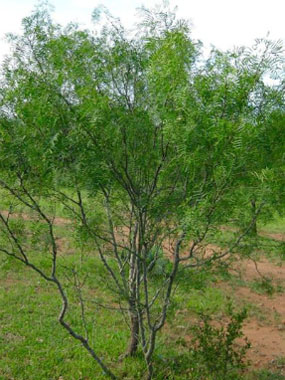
column 251, row 270
column 268, row 343
column 266, row 329
column 275, row 236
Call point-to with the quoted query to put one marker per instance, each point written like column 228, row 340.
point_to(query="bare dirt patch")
column 268, row 343
column 266, row 331
column 269, row 304
column 275, row 236
column 251, row 270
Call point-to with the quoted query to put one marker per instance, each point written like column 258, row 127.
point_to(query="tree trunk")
column 134, row 338
column 150, row 371
column 134, row 319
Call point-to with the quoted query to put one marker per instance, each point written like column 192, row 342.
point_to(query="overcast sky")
column 223, row 23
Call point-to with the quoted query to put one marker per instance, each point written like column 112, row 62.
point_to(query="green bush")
column 215, row 354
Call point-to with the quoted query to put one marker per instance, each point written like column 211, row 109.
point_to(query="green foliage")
column 216, row 354
column 264, row 285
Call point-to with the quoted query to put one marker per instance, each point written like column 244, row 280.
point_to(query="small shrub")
column 216, row 355
column 263, row 286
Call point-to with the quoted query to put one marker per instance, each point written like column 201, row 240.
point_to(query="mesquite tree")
column 148, row 148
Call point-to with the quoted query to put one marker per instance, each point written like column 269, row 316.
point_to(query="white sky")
column 223, row 23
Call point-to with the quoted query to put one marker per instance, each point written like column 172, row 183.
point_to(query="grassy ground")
column 34, row 346
column 275, row 226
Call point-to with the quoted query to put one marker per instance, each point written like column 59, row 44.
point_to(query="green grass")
column 265, row 374
column 34, row 346
column 277, row 225
column 208, row 301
